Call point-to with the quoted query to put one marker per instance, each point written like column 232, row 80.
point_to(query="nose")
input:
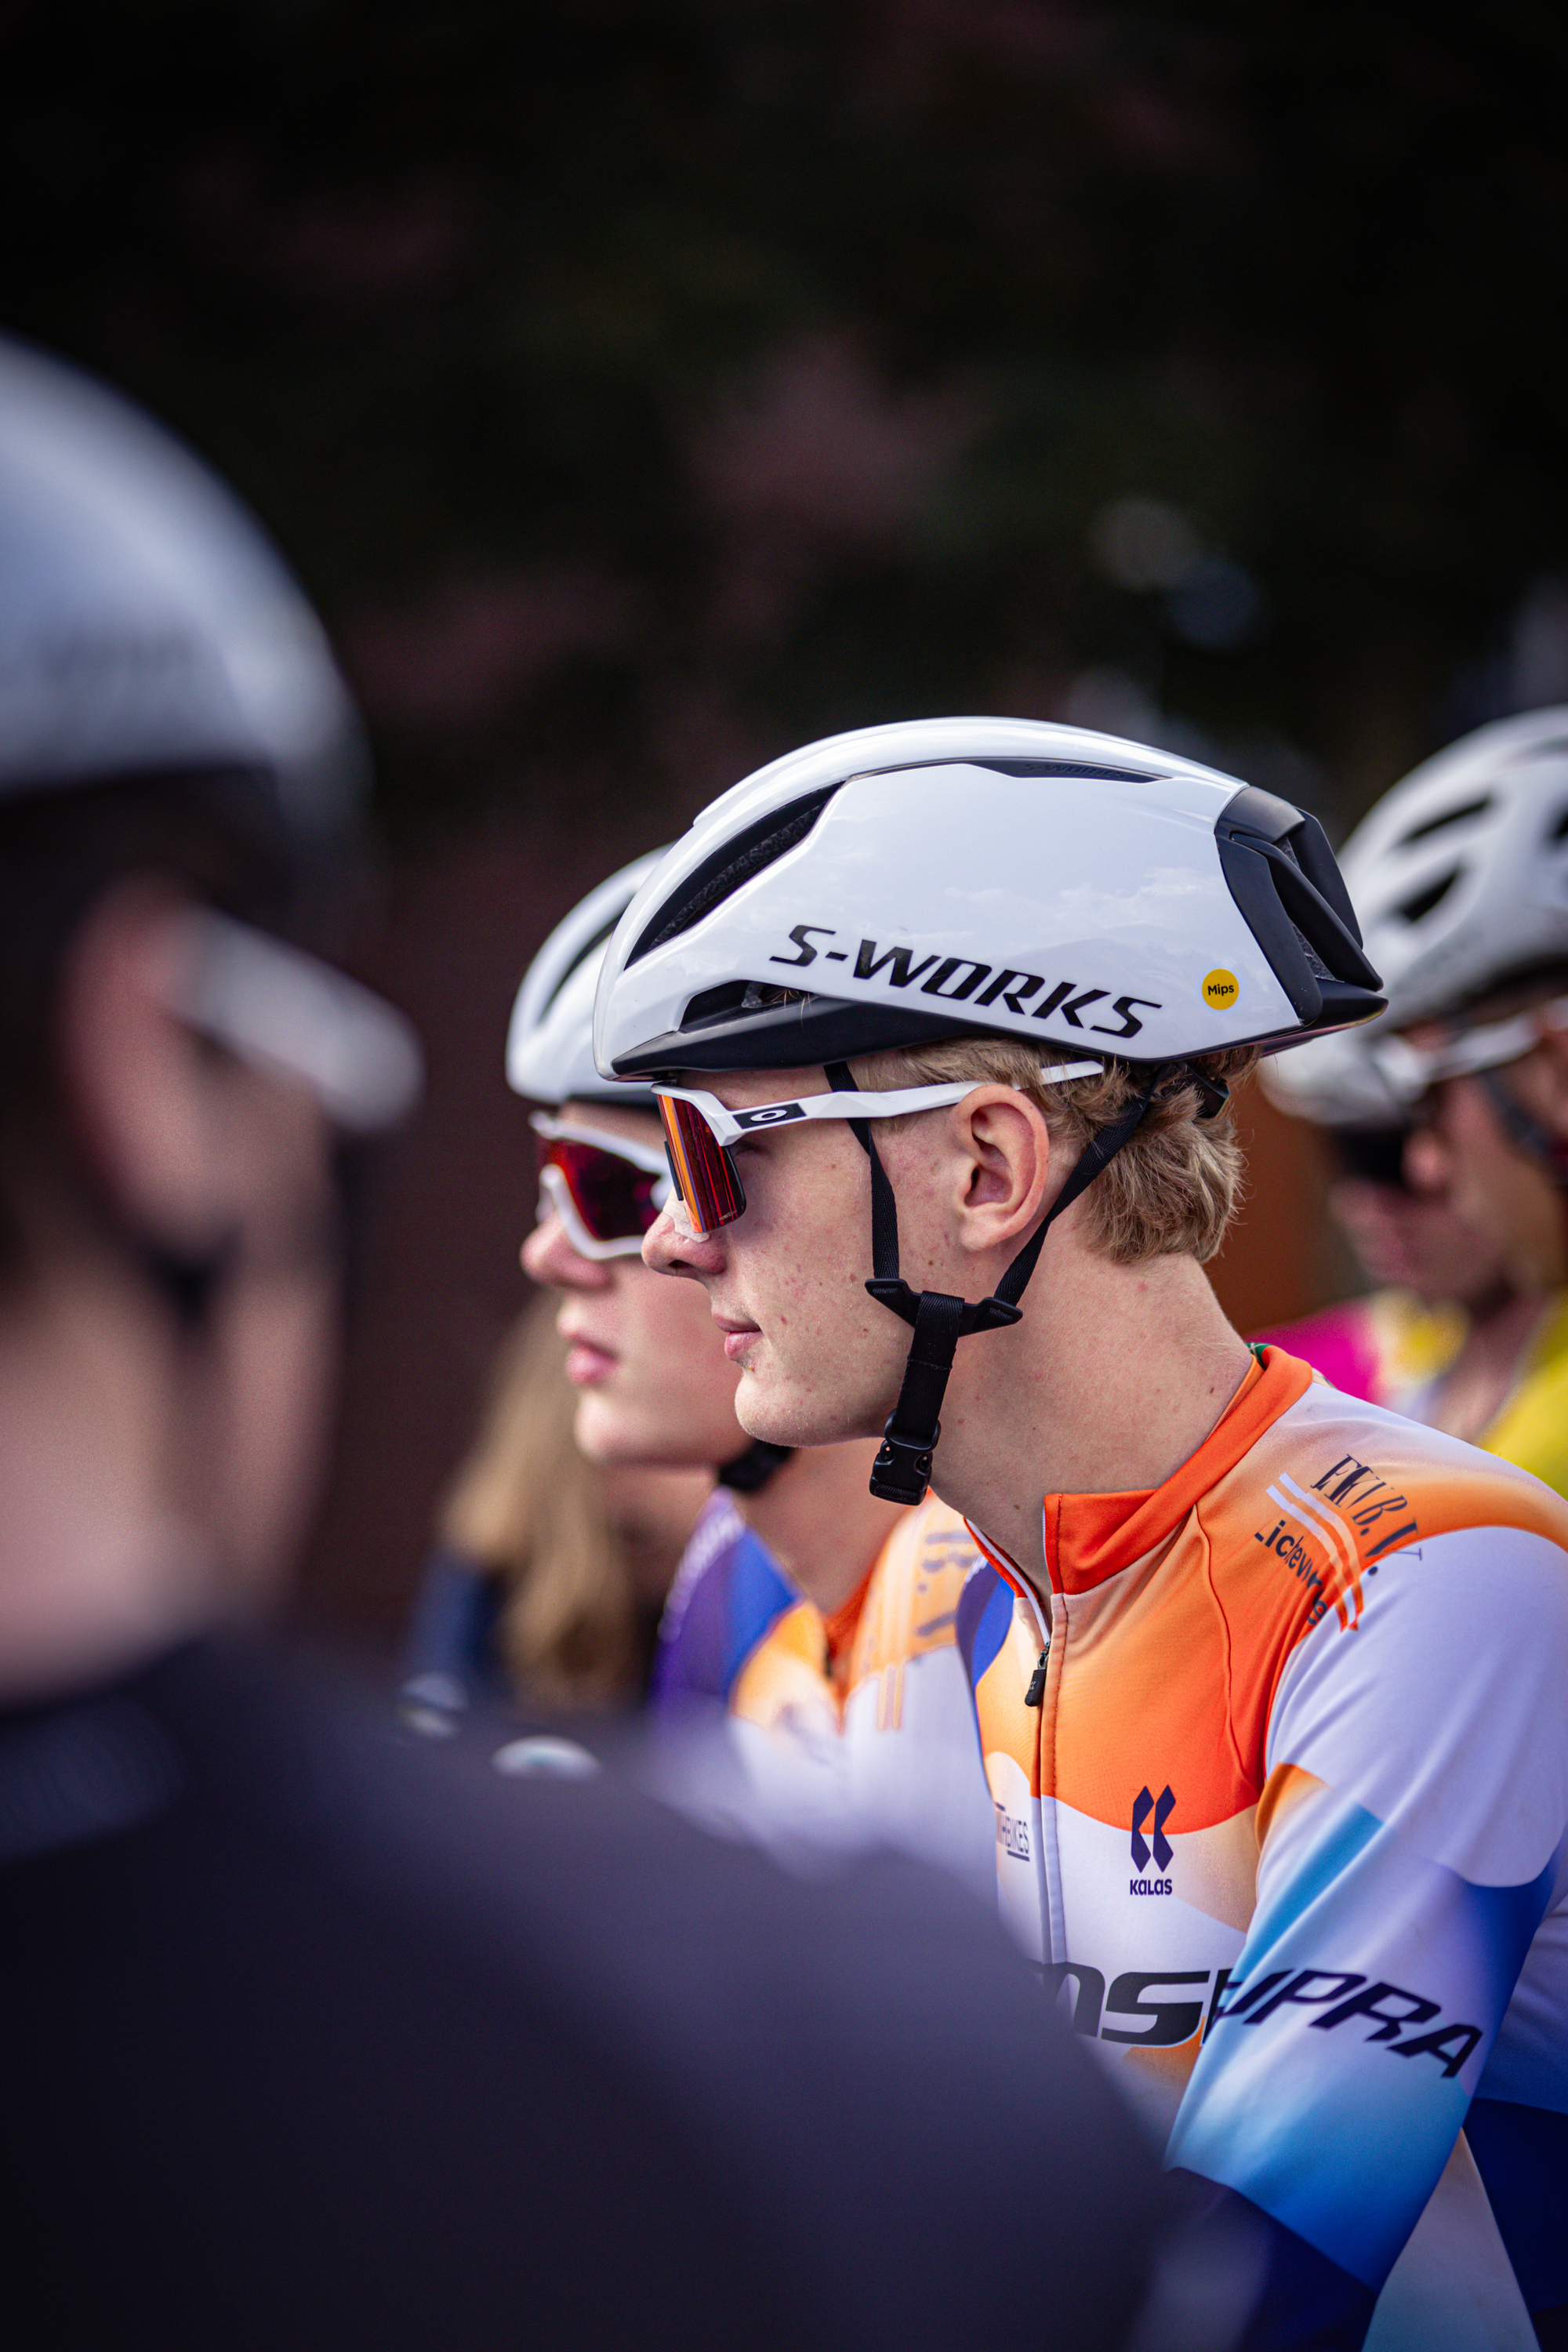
column 549, row 1257
column 1427, row 1160
column 670, row 1246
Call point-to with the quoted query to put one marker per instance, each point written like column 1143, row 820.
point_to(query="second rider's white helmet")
column 549, row 1042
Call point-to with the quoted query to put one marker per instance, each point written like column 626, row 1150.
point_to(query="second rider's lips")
column 587, row 1362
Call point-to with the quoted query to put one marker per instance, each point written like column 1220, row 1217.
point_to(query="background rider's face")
column 1488, row 1183
column 1413, row 1239
column 652, row 1379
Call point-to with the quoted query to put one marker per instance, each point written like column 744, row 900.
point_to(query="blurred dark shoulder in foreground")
column 319, row 2039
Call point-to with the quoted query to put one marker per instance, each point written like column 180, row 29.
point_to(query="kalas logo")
column 1162, row 1852
column 955, row 979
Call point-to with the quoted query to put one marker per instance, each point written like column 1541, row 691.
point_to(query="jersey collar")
column 1090, row 1537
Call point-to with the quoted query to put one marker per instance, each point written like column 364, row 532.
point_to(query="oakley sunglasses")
column 607, row 1192
column 700, row 1131
column 1411, row 1069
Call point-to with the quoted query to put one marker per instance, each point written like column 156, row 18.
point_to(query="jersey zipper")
column 1047, row 1863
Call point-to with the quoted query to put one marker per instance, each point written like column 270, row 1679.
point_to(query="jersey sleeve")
column 1411, row 1831
column 729, row 1590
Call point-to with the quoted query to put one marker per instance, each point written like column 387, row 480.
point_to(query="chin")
column 788, row 1417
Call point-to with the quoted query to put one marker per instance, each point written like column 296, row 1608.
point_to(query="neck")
column 1114, row 1377
column 819, row 1520
column 97, row 1566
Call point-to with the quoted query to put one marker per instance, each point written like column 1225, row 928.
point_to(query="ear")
column 183, row 1139
column 1003, row 1171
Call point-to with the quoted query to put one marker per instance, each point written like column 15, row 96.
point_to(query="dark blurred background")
column 641, row 390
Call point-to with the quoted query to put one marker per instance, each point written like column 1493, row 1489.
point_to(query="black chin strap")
column 901, row 1471
column 749, row 1473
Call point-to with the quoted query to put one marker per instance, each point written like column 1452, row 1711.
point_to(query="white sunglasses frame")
column 728, row 1127
column 1411, row 1069
column 555, row 1197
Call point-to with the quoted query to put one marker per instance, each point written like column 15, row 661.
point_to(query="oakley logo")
column 772, row 1114
column 958, row 979
column 1162, row 1851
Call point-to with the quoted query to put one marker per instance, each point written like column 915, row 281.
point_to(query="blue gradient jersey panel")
column 728, row 1592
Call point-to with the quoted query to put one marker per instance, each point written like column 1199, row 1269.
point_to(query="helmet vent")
column 1460, row 815
column 1560, row 830
column 1416, row 909
column 1066, row 768
column 736, row 996
column 721, row 875
column 578, row 960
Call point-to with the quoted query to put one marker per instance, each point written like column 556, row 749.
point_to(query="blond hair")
column 1170, row 1190
column 528, row 1507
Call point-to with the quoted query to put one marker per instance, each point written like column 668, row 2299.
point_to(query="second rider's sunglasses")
column 700, row 1129
column 607, row 1192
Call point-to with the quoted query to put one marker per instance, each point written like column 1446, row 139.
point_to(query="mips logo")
column 1221, row 989
column 1162, row 1852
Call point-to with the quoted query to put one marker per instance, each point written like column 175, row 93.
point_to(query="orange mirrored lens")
column 704, row 1170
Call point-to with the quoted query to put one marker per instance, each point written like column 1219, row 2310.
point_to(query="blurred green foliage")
column 641, row 389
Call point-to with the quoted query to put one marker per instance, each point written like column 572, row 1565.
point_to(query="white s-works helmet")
column 963, row 877
column 905, row 885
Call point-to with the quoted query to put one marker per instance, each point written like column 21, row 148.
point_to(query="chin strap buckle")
column 901, row 1472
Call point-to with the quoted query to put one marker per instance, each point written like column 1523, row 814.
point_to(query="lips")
column 587, row 1361
column 738, row 1335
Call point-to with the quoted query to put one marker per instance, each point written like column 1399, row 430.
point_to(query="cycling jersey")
column 728, row 1592
column 1392, row 1350
column 876, row 1696
column 1280, row 1780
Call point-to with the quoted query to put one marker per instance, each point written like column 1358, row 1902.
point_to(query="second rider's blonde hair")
column 1170, row 1190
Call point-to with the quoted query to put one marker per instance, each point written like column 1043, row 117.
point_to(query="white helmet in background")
column 146, row 624
column 1459, row 875
column 150, row 637
column 1336, row 1081
column 550, row 1041
column 957, row 877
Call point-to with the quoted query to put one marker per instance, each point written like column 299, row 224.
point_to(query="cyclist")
column 1443, row 1336
column 1461, row 874
column 803, row 1604
column 316, row 2040
column 1268, row 1682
